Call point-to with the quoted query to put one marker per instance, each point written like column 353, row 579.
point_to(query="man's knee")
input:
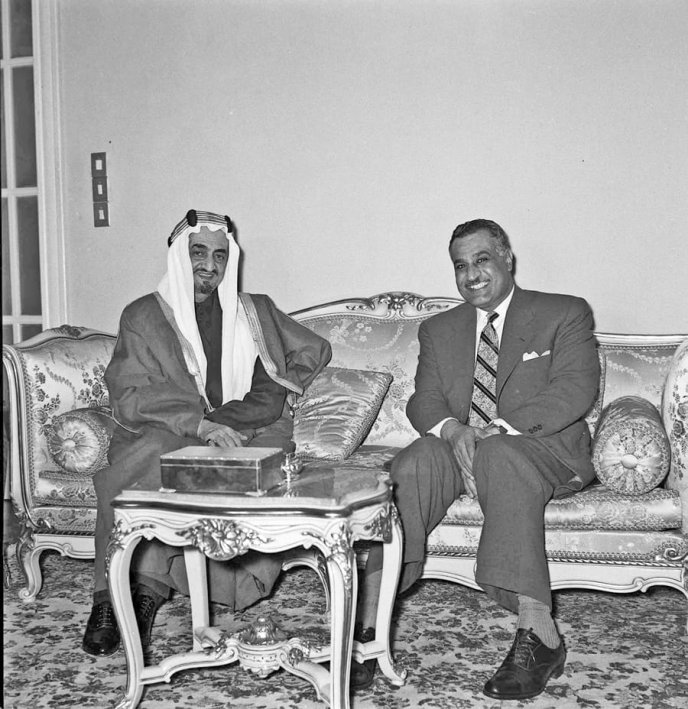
column 498, row 452
column 137, row 461
column 416, row 456
column 506, row 460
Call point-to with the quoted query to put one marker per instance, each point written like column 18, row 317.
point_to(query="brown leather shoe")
column 526, row 669
column 102, row 634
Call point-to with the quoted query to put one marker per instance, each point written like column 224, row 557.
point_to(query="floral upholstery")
column 71, row 519
column 635, row 367
column 593, row 508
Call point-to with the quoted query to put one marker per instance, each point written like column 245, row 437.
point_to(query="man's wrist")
column 450, row 428
column 202, row 427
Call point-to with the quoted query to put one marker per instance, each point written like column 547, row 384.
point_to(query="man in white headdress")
column 195, row 363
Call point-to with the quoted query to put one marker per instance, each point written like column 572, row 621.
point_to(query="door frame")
column 50, row 163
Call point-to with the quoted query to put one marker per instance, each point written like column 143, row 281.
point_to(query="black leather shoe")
column 102, row 634
column 362, row 673
column 146, row 603
column 526, row 669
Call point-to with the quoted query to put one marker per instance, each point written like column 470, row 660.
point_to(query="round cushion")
column 78, row 440
column 631, row 451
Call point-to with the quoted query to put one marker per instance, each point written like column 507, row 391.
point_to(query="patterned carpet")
column 623, row 651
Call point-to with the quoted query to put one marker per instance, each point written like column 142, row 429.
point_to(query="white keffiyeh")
column 239, row 351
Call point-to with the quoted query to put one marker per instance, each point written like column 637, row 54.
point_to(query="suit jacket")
column 545, row 396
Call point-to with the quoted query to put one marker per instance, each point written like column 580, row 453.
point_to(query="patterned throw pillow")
column 631, row 451
column 78, row 440
column 337, row 410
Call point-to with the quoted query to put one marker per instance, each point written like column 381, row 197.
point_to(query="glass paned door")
column 22, row 314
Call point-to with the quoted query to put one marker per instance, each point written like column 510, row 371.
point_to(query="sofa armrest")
column 55, row 372
column 675, row 418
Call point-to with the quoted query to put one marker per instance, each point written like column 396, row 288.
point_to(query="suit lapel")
column 462, row 349
column 517, row 331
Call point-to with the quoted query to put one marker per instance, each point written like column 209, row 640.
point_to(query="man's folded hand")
column 217, row 434
column 463, row 440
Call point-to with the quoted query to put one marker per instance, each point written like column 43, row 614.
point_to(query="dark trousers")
column 515, row 477
column 136, row 458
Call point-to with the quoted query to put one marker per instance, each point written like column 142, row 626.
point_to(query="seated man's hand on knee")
column 463, row 440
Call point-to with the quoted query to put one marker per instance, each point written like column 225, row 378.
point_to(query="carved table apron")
column 323, row 510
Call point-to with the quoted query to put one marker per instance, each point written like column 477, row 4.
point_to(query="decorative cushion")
column 337, row 410
column 631, row 450
column 361, row 341
column 78, row 440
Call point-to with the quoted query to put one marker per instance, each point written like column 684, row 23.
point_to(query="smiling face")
column 483, row 273
column 208, row 251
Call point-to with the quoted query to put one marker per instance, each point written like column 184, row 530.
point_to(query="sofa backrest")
column 637, row 364
column 381, row 333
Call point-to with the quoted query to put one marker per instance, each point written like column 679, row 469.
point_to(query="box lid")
column 224, row 456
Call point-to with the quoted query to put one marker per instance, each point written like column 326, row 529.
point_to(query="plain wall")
column 348, row 138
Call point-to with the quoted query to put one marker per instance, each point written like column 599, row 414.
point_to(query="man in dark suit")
column 503, row 383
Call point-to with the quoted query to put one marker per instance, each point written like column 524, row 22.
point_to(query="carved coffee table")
column 323, row 510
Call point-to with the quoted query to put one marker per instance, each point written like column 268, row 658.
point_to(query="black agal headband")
column 195, row 218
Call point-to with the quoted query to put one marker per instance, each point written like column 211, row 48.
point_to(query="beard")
column 205, row 288
column 206, row 284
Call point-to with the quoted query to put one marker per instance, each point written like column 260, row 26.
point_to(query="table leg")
column 197, row 575
column 341, row 567
column 391, row 569
column 118, row 564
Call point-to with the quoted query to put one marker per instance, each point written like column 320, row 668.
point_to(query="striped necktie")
column 484, row 400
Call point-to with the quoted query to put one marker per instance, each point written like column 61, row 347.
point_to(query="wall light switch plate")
column 98, row 165
column 101, row 214
column 100, row 189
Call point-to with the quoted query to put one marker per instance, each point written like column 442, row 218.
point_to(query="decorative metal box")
column 216, row 469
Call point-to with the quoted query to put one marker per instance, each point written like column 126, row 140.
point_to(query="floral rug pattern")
column 624, row 651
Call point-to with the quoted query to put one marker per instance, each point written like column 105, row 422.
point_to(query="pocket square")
column 534, row 355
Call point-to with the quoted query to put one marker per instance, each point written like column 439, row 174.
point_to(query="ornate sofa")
column 597, row 539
